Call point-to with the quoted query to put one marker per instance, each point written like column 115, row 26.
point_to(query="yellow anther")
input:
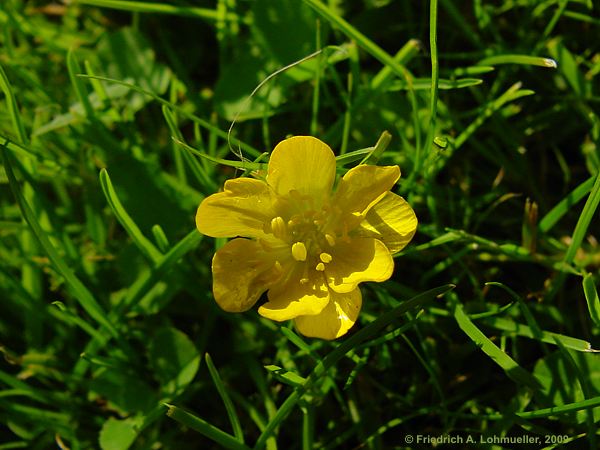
column 299, row 251
column 330, row 239
column 278, row 227
column 320, row 267
column 325, row 257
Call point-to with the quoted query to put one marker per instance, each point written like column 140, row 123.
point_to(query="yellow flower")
column 305, row 244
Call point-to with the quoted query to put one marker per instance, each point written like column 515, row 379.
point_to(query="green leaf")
column 286, row 28
column 239, row 78
column 121, row 387
column 119, row 434
column 174, row 358
column 126, row 55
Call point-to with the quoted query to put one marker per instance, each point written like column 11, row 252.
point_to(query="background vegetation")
column 113, row 121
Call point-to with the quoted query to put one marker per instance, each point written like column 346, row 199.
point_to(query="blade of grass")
column 203, row 123
column 247, row 165
column 365, row 43
column 433, row 99
column 548, row 337
column 13, row 108
column 225, row 440
column 562, row 207
column 589, row 209
column 419, row 84
column 583, row 223
column 141, row 287
column 231, row 413
column 585, row 389
column 80, row 90
column 81, row 293
column 197, row 169
column 513, row 93
column 518, row 59
column 591, row 296
column 142, row 242
column 552, row 411
column 159, row 8
column 512, row 369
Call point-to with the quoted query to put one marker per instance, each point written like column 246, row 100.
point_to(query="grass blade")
column 584, row 221
column 591, row 296
column 225, row 440
column 81, row 293
column 158, row 8
column 13, row 108
column 203, row 123
column 569, row 407
column 513, row 370
column 136, row 292
column 365, row 43
column 519, row 59
column 233, row 418
column 548, row 337
column 562, row 207
column 142, row 243
column 80, row 90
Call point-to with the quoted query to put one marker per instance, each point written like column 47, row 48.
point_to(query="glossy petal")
column 391, row 220
column 335, row 320
column 291, row 298
column 242, row 271
column 304, row 164
column 242, row 209
column 357, row 260
column 362, row 187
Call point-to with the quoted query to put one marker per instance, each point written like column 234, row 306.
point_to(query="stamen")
column 299, row 251
column 304, row 280
column 330, row 239
column 320, row 267
column 325, row 257
column 279, row 227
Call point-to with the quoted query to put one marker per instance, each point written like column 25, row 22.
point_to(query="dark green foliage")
column 114, row 116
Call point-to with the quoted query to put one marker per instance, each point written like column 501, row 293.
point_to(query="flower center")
column 308, row 231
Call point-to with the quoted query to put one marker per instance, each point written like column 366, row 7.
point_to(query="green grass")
column 118, row 117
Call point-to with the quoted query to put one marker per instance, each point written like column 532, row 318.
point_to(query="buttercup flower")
column 305, row 244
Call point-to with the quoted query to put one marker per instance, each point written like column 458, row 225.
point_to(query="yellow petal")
column 242, row 271
column 292, row 297
column 242, row 209
column 358, row 260
column 362, row 187
column 391, row 220
column 335, row 320
column 304, row 164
